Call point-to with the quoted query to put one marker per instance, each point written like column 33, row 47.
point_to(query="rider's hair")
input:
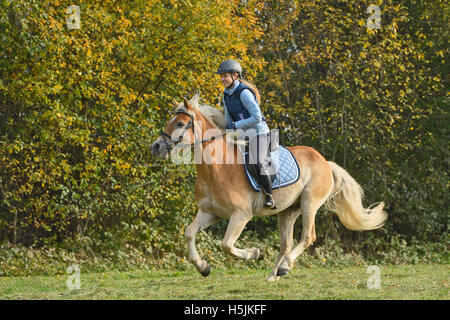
column 258, row 97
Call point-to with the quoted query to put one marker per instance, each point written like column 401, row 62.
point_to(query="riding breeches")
column 259, row 154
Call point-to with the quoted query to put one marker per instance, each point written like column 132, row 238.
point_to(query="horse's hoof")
column 273, row 279
column 261, row 255
column 282, row 271
column 206, row 271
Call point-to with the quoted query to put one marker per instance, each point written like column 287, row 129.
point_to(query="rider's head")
column 229, row 71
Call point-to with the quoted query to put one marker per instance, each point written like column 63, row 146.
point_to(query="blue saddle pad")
column 287, row 170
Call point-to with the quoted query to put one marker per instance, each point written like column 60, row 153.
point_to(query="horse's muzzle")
column 155, row 149
column 158, row 149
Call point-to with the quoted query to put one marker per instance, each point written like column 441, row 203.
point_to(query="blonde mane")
column 213, row 115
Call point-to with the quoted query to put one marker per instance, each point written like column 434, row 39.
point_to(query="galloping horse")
column 222, row 190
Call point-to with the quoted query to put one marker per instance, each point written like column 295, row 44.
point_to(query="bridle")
column 173, row 143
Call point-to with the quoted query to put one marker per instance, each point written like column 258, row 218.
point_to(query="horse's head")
column 179, row 128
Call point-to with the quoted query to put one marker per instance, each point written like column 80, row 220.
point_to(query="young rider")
column 241, row 100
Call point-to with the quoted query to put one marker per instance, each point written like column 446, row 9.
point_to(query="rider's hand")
column 231, row 126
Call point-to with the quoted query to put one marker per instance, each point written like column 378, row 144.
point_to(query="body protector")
column 234, row 105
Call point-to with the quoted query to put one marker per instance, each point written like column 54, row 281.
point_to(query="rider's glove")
column 231, row 126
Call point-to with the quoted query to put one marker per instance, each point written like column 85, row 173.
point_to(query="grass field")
column 397, row 282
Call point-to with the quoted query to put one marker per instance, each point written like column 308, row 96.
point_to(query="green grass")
column 397, row 282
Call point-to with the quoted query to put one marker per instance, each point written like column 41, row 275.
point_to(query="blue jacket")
column 242, row 108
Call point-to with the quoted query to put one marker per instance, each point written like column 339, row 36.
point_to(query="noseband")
column 172, row 143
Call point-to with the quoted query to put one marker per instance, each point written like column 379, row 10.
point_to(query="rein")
column 172, row 143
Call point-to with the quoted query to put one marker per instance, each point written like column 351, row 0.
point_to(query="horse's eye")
column 180, row 124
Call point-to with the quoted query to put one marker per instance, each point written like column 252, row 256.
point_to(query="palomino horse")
column 222, row 190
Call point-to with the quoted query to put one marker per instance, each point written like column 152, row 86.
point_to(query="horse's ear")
column 186, row 104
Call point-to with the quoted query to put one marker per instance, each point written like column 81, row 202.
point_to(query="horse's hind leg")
column 201, row 221
column 311, row 201
column 286, row 220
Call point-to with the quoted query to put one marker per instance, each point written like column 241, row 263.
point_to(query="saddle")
column 283, row 165
column 252, row 168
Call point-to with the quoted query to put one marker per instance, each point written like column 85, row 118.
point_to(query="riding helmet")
column 230, row 66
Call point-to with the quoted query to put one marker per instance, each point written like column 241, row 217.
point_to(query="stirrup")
column 269, row 202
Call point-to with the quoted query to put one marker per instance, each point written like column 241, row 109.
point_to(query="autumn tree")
column 84, row 89
column 368, row 97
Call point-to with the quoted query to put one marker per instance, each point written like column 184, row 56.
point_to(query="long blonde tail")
column 346, row 200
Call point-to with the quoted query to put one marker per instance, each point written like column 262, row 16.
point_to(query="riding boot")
column 266, row 185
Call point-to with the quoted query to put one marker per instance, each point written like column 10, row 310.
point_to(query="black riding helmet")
column 230, row 66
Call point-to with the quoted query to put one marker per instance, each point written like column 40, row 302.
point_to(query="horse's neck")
column 223, row 150
column 206, row 128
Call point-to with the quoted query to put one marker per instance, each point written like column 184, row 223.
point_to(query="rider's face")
column 226, row 79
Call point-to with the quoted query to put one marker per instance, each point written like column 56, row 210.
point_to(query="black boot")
column 269, row 202
column 266, row 184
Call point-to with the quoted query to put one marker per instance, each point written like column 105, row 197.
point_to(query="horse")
column 222, row 190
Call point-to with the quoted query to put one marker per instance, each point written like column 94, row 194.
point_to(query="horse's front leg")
column 237, row 223
column 201, row 221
